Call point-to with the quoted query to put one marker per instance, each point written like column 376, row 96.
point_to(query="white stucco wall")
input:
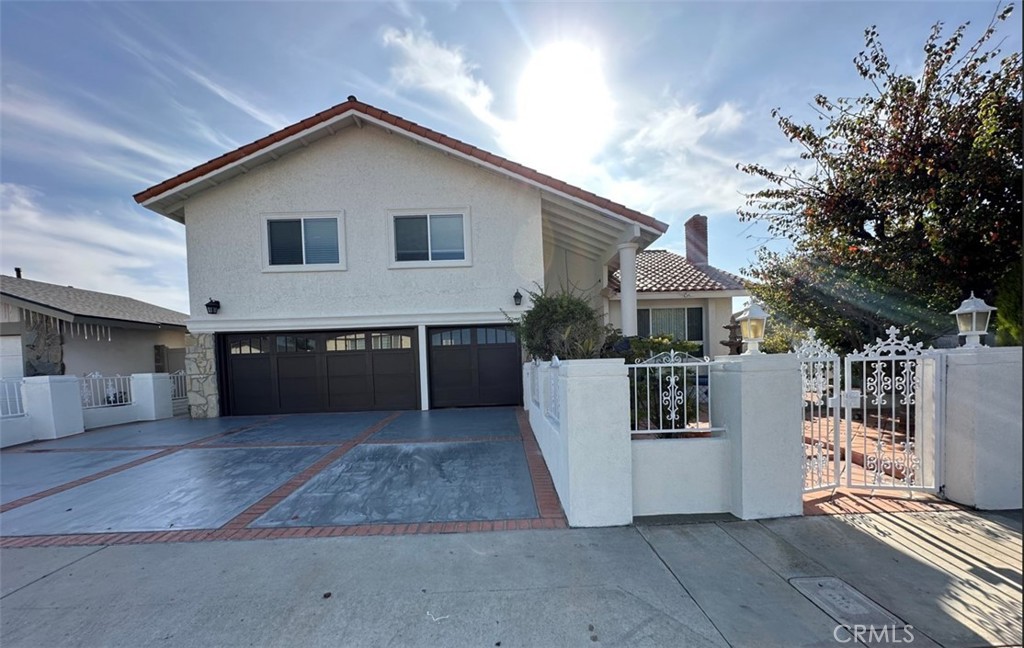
column 983, row 427
column 716, row 315
column 681, row 476
column 128, row 351
column 363, row 173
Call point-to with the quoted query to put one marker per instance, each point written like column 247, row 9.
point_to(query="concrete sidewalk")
column 950, row 578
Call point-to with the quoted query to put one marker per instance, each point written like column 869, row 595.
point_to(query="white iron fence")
column 11, row 403
column 105, row 391
column 179, row 389
column 670, row 394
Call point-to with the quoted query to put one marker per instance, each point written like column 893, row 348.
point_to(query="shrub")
column 563, row 324
column 638, row 349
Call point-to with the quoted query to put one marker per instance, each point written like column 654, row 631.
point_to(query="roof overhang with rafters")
column 578, row 219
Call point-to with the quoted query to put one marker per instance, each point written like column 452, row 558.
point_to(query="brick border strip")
column 28, row 499
column 264, row 504
column 212, row 535
column 548, row 504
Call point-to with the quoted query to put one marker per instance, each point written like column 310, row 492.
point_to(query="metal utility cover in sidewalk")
column 845, row 604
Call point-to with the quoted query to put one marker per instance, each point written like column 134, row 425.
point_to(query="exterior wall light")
column 752, row 320
column 212, row 306
column 972, row 320
column 518, row 298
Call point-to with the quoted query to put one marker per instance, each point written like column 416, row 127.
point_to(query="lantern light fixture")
column 752, row 320
column 518, row 298
column 972, row 320
column 212, row 306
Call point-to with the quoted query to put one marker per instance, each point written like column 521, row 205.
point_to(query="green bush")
column 563, row 324
column 638, row 349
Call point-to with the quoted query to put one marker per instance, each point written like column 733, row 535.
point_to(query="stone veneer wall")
column 201, row 372
column 42, row 348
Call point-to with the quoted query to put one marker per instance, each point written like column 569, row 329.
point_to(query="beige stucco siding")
column 716, row 316
column 568, row 270
column 363, row 173
column 128, row 351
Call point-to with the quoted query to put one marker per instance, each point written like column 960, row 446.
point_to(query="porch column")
column 627, row 287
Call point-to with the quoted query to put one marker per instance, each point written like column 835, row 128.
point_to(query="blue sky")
column 660, row 102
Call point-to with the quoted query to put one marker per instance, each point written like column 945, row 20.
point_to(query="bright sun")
column 565, row 109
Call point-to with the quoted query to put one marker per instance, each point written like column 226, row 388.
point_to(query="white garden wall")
column 681, row 476
column 53, row 408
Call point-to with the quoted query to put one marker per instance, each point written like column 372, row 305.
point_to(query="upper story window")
column 423, row 239
column 304, row 241
column 681, row 323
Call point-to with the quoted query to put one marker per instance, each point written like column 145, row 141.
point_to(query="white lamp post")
column 972, row 320
column 752, row 321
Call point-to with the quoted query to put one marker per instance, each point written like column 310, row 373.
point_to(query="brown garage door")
column 332, row 371
column 474, row 365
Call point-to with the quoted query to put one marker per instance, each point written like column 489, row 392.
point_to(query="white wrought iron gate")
column 819, row 366
column 891, row 431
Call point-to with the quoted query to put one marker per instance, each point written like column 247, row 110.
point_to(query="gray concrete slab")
column 780, row 556
column 451, row 424
column 307, row 428
column 530, row 588
column 190, row 489
column 26, row 473
column 954, row 576
column 16, row 572
column 749, row 603
column 436, row 482
column 165, row 432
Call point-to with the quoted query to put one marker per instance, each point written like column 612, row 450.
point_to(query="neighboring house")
column 46, row 329
column 361, row 261
column 681, row 296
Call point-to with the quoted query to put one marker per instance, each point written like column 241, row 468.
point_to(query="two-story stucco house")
column 362, row 261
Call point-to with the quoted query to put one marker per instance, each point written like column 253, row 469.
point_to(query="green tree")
column 908, row 197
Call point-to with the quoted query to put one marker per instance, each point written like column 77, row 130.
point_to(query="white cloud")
column 681, row 127
column 271, row 119
column 93, row 250
column 43, row 115
column 432, row 66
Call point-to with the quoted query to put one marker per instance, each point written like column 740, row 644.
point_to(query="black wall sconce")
column 518, row 298
column 212, row 306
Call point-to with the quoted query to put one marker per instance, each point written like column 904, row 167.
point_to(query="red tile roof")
column 404, row 124
column 664, row 271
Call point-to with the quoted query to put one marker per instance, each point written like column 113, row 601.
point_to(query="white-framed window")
column 303, row 241
column 681, row 323
column 429, row 238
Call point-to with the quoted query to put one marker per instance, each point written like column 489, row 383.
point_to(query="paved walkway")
column 948, row 578
column 361, row 473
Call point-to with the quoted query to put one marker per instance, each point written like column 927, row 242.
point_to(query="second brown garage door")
column 279, row 373
column 474, row 365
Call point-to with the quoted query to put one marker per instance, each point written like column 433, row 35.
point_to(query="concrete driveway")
column 274, row 476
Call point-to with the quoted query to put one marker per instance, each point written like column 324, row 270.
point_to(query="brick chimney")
column 697, row 240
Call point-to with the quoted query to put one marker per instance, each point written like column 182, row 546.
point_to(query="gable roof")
column 87, row 303
column 660, row 271
column 353, row 108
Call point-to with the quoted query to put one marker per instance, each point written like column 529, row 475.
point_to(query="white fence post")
column 54, row 405
column 152, row 396
column 983, row 427
column 758, row 401
column 594, row 417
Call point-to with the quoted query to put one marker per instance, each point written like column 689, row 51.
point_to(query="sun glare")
column 565, row 111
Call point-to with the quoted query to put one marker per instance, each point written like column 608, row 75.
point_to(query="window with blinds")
column 296, row 240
